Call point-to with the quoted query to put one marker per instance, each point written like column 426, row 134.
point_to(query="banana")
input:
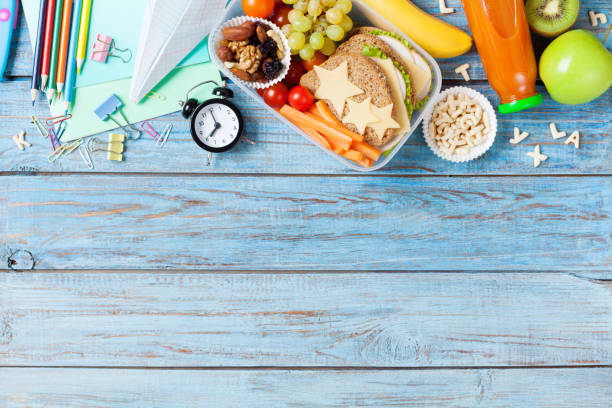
column 437, row 37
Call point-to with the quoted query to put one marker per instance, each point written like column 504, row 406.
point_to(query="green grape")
column 294, row 15
column 317, row 40
column 334, row 15
column 314, row 8
column 328, row 3
column 320, row 27
column 346, row 24
column 307, row 52
column 335, row 32
column 289, row 1
column 345, row 6
column 329, row 47
column 302, row 24
column 297, row 41
column 301, row 5
column 286, row 29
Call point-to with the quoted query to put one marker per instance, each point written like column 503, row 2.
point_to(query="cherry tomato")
column 276, row 95
column 296, row 70
column 301, row 98
column 258, row 8
column 281, row 15
column 318, row 59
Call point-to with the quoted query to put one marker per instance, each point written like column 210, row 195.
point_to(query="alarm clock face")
column 216, row 125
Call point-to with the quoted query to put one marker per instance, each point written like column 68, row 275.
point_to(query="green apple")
column 576, row 68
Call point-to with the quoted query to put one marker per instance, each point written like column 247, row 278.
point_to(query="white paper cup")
column 475, row 151
column 218, row 37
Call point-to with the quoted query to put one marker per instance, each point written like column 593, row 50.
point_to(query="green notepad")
column 84, row 121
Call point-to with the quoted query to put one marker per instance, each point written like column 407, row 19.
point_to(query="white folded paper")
column 170, row 31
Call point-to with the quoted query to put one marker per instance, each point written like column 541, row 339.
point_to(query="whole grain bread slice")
column 367, row 76
column 355, row 45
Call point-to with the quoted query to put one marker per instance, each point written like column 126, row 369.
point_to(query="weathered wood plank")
column 20, row 63
column 304, row 320
column 232, row 388
column 280, row 150
column 346, row 223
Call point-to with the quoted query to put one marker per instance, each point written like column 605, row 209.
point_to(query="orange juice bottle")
column 501, row 34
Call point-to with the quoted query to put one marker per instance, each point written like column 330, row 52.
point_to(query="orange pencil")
column 62, row 58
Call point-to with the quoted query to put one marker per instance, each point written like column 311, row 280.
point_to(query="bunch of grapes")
column 317, row 25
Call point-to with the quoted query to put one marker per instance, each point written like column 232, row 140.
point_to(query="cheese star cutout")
column 361, row 115
column 385, row 120
column 538, row 157
column 335, row 86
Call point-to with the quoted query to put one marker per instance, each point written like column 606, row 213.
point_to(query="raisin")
column 271, row 68
column 268, row 48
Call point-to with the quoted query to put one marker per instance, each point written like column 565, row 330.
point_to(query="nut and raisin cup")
column 254, row 51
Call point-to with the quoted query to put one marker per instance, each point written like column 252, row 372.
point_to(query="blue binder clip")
column 8, row 23
column 111, row 106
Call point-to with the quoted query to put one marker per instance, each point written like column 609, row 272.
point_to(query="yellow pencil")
column 83, row 34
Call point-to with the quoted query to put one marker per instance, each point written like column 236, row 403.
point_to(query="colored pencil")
column 46, row 59
column 57, row 28
column 72, row 49
column 62, row 57
column 38, row 51
column 83, row 34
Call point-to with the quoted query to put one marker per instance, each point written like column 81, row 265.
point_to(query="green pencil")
column 57, row 25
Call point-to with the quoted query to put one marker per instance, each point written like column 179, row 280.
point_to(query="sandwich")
column 379, row 67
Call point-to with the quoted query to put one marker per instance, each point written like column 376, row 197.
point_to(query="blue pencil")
column 38, row 51
column 71, row 71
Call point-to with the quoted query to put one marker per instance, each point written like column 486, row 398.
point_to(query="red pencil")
column 46, row 60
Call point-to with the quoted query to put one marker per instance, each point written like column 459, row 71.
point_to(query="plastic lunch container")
column 362, row 15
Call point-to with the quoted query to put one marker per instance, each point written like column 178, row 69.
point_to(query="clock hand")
column 217, row 124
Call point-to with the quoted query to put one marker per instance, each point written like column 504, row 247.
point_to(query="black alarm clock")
column 216, row 124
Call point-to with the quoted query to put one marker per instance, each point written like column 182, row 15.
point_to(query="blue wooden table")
column 276, row 277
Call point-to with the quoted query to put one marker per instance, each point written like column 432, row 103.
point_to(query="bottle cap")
column 520, row 105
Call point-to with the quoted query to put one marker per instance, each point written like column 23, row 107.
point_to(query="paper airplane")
column 170, row 31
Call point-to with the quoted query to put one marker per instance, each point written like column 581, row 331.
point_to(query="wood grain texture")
column 569, row 388
column 279, row 150
column 305, row 223
column 304, row 320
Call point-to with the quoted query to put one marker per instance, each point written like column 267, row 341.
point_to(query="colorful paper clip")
column 156, row 95
column 104, row 47
column 114, row 148
column 39, row 126
column 64, row 150
column 149, row 130
column 108, row 108
column 57, row 119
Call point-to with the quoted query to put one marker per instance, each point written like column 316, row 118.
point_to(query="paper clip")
column 149, row 130
column 108, row 108
column 164, row 135
column 55, row 143
column 57, row 119
column 156, row 95
column 64, row 150
column 105, row 47
column 86, row 157
column 39, row 126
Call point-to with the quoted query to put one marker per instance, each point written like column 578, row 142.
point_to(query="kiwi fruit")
column 549, row 18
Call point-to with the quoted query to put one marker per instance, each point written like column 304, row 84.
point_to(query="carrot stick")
column 316, row 136
column 311, row 121
column 339, row 128
column 315, row 111
column 369, row 151
column 326, row 114
column 353, row 155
